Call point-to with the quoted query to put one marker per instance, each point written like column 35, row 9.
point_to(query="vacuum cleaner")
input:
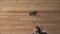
column 38, row 28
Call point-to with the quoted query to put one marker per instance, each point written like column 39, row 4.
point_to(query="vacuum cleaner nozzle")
column 33, row 13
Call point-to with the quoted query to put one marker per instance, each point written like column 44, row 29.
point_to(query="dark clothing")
column 43, row 33
column 39, row 31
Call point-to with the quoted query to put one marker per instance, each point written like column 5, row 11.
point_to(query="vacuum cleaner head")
column 33, row 13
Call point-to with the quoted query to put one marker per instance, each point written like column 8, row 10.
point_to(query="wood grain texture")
column 29, row 4
column 15, row 19
column 19, row 22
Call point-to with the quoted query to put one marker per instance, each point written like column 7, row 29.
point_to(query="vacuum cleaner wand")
column 38, row 26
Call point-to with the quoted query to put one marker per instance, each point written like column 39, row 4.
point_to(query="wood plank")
column 27, row 11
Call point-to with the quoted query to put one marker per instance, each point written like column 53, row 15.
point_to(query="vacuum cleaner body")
column 33, row 13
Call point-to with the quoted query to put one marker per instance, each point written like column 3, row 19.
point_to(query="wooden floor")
column 19, row 22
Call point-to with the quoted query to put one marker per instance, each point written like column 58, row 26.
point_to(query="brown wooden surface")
column 19, row 22
column 14, row 18
column 29, row 4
